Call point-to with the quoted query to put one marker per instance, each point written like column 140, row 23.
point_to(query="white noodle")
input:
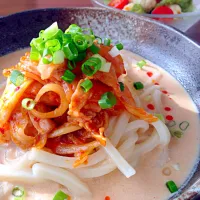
column 157, row 101
column 117, row 158
column 137, row 124
column 38, row 155
column 63, row 177
column 149, row 91
column 119, row 128
column 12, row 175
column 163, row 132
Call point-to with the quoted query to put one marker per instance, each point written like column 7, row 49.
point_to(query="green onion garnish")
column 53, row 45
column 94, row 49
column 28, row 104
column 47, row 56
column 171, row 123
column 34, row 54
column 121, row 85
column 18, row 191
column 184, row 125
column 160, row 117
column 58, row 57
column 141, row 64
column 176, row 133
column 16, row 77
column 73, row 28
column 106, row 67
column 50, row 31
column 81, row 56
column 67, row 38
column 68, row 76
column 172, row 186
column 103, row 60
column 86, row 85
column 80, row 42
column 70, row 51
column 98, row 39
column 91, row 66
column 108, row 100
column 38, row 43
column 60, row 195
column 107, row 42
column 89, row 39
column 138, row 85
column 119, row 46
column 71, row 65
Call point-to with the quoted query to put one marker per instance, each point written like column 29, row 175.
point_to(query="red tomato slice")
column 118, row 3
column 162, row 10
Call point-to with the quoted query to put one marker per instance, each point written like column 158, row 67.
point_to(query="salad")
column 153, row 6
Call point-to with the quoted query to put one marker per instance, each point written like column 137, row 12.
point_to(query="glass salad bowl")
column 181, row 21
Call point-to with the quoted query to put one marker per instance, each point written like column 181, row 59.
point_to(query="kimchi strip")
column 10, row 98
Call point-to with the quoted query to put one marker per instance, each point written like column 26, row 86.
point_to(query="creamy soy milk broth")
column 149, row 181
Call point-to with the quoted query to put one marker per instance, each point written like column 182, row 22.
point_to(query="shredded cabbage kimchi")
column 61, row 94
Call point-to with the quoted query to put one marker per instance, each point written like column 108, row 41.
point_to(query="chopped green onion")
column 60, row 195
column 138, row 85
column 86, row 85
column 98, row 39
column 106, row 67
column 80, row 42
column 67, row 38
column 137, row 8
column 160, row 117
column 68, row 76
column 94, row 49
column 34, row 54
column 41, row 33
column 171, row 123
column 73, row 28
column 50, row 31
column 91, row 66
column 103, row 60
column 53, row 45
column 58, row 57
column 38, row 43
column 81, row 56
column 119, row 46
column 18, row 191
column 47, row 60
column 71, row 65
column 172, row 186
column 16, row 77
column 47, row 56
column 184, row 125
column 28, row 104
column 141, row 64
column 114, row 52
column 176, row 133
column 89, row 40
column 107, row 42
column 121, row 85
column 108, row 100
column 70, row 51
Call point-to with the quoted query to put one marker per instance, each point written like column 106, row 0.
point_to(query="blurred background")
column 12, row 6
